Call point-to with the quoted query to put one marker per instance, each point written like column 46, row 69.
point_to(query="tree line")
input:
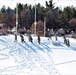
column 55, row 17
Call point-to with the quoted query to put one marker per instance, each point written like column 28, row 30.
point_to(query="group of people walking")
column 30, row 38
column 66, row 41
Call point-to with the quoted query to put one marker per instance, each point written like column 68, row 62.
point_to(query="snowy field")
column 50, row 57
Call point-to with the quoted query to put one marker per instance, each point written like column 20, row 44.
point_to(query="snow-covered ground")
column 51, row 57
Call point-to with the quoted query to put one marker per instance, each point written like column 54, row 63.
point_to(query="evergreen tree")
column 3, row 9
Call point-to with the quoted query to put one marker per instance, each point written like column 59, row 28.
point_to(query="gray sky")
column 60, row 3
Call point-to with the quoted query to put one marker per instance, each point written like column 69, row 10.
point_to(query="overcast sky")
column 60, row 3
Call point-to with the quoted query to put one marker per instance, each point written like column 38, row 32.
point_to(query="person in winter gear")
column 22, row 38
column 39, row 39
column 15, row 37
column 65, row 40
column 68, row 43
column 56, row 36
column 30, row 39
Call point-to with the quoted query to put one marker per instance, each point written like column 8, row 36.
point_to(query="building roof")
column 72, row 21
column 1, row 24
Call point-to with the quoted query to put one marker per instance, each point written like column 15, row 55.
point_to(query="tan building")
column 72, row 23
column 3, row 29
column 39, row 28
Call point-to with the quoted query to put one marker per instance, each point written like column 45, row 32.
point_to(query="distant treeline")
column 55, row 17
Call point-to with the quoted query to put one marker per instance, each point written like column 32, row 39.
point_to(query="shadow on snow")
column 65, row 62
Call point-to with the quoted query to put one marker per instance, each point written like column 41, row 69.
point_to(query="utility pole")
column 44, row 26
column 35, row 21
column 16, row 19
column 44, row 22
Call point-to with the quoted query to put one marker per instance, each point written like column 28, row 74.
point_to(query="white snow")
column 50, row 57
